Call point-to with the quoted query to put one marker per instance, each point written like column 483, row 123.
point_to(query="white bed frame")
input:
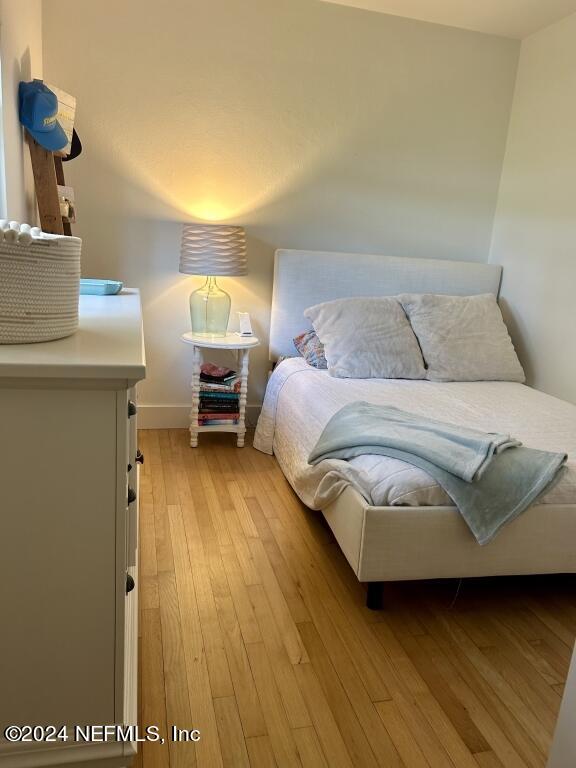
column 404, row 543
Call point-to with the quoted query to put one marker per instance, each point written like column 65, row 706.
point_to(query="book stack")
column 219, row 396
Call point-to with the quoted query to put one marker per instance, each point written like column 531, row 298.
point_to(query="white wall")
column 535, row 226
column 314, row 125
column 21, row 59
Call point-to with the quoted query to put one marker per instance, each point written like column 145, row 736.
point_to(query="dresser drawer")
column 133, row 489
column 131, row 652
column 132, row 518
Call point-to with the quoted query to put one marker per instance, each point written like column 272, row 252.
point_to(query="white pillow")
column 463, row 338
column 367, row 338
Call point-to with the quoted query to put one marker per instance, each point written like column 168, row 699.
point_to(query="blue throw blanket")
column 490, row 477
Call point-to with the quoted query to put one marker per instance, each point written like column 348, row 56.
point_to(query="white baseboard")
column 178, row 416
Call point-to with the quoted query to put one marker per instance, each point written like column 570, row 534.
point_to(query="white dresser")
column 69, row 535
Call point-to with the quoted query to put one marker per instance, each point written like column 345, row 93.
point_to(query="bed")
column 391, row 521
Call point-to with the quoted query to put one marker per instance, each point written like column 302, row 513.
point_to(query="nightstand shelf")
column 242, row 346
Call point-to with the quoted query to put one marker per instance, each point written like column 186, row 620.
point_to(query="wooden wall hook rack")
column 48, row 174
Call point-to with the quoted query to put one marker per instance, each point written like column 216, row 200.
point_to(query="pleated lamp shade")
column 213, row 249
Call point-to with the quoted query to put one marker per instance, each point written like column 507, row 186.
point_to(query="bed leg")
column 375, row 595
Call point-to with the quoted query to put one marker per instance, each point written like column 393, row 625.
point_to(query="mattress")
column 300, row 400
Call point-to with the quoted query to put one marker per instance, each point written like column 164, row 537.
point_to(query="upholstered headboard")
column 304, row 278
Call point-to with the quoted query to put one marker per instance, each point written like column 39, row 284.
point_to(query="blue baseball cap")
column 38, row 107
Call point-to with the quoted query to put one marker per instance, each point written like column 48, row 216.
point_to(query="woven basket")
column 39, row 289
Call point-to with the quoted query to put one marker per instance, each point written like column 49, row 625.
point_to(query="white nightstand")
column 242, row 346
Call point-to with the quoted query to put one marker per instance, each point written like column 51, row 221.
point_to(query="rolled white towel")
column 23, row 234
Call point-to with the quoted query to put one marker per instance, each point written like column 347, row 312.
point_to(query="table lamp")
column 212, row 250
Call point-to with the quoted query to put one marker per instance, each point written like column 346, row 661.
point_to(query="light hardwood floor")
column 253, row 629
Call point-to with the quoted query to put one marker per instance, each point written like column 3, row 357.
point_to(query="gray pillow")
column 367, row 338
column 463, row 338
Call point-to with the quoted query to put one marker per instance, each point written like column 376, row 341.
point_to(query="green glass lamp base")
column 209, row 309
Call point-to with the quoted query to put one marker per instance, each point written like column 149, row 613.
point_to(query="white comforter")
column 300, row 400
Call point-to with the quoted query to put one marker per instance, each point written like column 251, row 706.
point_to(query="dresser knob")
column 139, row 457
column 131, row 495
column 129, row 467
column 130, row 583
column 131, row 408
